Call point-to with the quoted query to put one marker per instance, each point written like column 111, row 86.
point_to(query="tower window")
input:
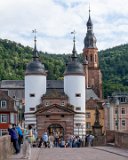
column 78, row 108
column 62, row 103
column 78, row 95
column 46, row 104
column 32, row 95
column 32, row 109
column 91, row 57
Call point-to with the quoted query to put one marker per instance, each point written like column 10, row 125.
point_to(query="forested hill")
column 113, row 63
column 114, row 67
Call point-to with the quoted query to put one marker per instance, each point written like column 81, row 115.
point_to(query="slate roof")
column 12, row 84
column 16, row 87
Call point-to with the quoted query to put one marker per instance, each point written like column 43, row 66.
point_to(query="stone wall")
column 5, row 147
column 119, row 138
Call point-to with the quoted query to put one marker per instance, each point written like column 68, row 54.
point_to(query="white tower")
column 74, row 87
column 35, row 86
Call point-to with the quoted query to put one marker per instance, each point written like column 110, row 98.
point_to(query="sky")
column 54, row 21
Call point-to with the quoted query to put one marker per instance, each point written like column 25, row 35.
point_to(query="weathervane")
column 35, row 32
column 89, row 8
column 74, row 33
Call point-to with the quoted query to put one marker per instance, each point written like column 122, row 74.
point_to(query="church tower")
column 35, row 86
column 74, row 87
column 91, row 65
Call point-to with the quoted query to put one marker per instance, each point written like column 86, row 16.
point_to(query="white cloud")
column 55, row 19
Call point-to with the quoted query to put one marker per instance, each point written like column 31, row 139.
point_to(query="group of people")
column 72, row 141
column 26, row 137
column 21, row 136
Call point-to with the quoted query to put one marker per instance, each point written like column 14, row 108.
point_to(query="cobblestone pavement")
column 93, row 153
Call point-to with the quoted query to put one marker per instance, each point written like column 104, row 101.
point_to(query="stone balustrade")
column 120, row 139
column 5, row 147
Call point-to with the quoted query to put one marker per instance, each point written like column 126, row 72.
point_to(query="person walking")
column 45, row 139
column 51, row 140
column 14, row 138
column 28, row 135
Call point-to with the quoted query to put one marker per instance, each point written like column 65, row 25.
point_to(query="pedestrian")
column 14, row 138
column 28, row 135
column 45, row 139
column 20, row 135
column 90, row 140
column 51, row 140
column 35, row 133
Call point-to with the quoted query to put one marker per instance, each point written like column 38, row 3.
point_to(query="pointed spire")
column 74, row 53
column 89, row 23
column 35, row 52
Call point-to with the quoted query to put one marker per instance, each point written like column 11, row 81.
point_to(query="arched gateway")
column 55, row 118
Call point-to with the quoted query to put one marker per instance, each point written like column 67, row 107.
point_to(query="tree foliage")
column 113, row 63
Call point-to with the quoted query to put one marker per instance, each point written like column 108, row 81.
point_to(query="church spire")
column 89, row 22
column 74, row 53
column 35, row 52
column 90, row 39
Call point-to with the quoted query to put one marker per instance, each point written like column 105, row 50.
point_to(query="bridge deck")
column 93, row 153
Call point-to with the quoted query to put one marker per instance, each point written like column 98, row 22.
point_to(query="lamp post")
column 19, row 109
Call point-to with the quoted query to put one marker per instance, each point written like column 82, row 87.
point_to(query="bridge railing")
column 5, row 147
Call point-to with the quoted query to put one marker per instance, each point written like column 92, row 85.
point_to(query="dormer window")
column 3, row 104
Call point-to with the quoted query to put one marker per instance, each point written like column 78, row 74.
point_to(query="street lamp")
column 19, row 109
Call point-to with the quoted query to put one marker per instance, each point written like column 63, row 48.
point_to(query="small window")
column 88, row 125
column 78, row 108
column 116, row 110
column 4, row 132
column 32, row 109
column 78, row 95
column 32, row 95
column 62, row 103
column 123, row 123
column 62, row 115
column 122, row 99
column 88, row 115
column 3, row 118
column 3, row 104
column 46, row 103
column 123, row 110
column 47, row 116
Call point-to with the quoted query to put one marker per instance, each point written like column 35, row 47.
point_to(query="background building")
column 8, row 112
column 116, row 112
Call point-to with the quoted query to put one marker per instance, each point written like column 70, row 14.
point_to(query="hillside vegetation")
column 113, row 64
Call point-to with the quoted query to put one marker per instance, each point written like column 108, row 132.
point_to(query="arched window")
column 91, row 57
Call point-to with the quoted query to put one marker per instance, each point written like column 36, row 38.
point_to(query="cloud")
column 55, row 19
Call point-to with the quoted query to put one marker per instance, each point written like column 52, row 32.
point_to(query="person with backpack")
column 14, row 138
